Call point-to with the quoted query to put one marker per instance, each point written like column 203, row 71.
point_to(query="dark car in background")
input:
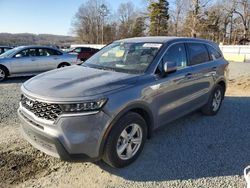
column 4, row 49
column 83, row 53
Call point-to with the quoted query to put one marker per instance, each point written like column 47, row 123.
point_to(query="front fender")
column 130, row 107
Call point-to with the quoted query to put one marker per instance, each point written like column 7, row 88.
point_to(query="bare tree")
column 127, row 16
column 88, row 21
column 224, row 21
column 243, row 10
column 196, row 10
column 176, row 15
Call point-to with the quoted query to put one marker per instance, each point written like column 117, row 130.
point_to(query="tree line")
column 32, row 39
column 223, row 21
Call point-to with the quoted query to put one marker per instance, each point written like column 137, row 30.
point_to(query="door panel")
column 174, row 88
column 25, row 63
column 48, row 59
column 203, row 68
column 176, row 94
column 184, row 90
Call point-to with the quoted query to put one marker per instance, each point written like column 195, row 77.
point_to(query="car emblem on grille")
column 29, row 103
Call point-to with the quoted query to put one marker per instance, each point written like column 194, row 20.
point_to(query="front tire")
column 3, row 73
column 125, row 141
column 214, row 103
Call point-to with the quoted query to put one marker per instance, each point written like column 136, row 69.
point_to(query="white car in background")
column 32, row 60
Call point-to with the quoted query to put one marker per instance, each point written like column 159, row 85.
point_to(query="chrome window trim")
column 183, row 42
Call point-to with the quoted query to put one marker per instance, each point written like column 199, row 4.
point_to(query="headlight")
column 84, row 107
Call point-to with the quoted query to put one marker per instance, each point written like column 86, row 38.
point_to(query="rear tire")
column 125, row 141
column 3, row 73
column 61, row 65
column 214, row 103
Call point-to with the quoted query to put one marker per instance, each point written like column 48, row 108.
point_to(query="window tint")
column 43, row 52
column 52, row 51
column 27, row 52
column 197, row 53
column 77, row 50
column 32, row 52
column 176, row 53
column 6, row 49
column 213, row 53
column 86, row 49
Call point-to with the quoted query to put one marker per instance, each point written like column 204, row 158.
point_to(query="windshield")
column 9, row 52
column 125, row 57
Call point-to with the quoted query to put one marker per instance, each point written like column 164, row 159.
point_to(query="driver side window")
column 177, row 54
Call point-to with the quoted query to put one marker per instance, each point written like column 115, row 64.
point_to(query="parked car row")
column 31, row 60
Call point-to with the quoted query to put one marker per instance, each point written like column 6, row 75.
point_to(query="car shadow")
column 16, row 80
column 195, row 146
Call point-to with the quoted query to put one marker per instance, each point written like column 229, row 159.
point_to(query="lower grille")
column 40, row 109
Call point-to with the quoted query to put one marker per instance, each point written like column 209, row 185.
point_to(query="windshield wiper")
column 100, row 68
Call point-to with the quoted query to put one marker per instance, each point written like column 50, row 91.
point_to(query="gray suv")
column 109, row 106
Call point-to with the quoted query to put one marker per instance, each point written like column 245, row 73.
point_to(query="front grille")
column 41, row 109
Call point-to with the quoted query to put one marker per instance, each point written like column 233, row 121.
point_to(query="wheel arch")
column 63, row 63
column 223, row 84
column 141, row 109
column 8, row 72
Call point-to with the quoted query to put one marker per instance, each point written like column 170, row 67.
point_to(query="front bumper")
column 71, row 138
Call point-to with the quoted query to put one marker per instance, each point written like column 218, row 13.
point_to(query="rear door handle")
column 189, row 75
column 214, row 68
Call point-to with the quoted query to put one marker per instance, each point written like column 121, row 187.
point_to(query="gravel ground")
column 194, row 151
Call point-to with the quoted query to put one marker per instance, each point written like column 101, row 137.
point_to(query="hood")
column 76, row 83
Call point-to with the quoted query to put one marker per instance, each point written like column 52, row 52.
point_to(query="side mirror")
column 169, row 67
column 18, row 55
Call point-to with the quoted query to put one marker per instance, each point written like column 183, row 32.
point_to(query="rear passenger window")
column 86, row 49
column 197, row 53
column 77, row 50
column 213, row 53
column 177, row 54
column 53, row 52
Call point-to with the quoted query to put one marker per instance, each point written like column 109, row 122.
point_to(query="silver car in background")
column 31, row 60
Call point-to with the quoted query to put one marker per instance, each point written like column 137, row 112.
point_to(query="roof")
column 160, row 39
column 35, row 46
column 5, row 46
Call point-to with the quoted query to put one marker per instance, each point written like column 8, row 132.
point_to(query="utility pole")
column 103, row 12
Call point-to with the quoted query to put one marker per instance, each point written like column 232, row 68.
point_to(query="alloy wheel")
column 217, row 100
column 129, row 141
column 2, row 74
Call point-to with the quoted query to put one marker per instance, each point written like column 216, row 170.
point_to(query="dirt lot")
column 194, row 151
